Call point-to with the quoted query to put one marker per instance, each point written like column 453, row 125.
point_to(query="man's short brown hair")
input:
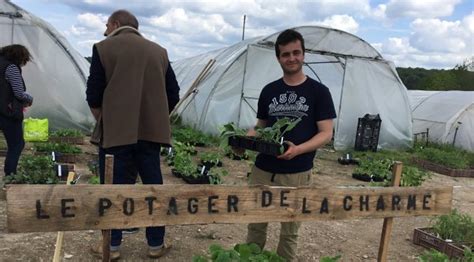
column 125, row 18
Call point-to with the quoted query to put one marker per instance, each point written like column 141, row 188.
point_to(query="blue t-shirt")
column 311, row 101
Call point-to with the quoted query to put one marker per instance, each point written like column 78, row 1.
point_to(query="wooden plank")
column 44, row 208
column 388, row 222
column 106, row 234
column 59, row 239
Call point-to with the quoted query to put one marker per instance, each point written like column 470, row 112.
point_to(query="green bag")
column 35, row 130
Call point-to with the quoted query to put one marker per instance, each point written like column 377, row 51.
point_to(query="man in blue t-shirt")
column 295, row 96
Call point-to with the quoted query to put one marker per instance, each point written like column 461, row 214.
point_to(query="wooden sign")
column 36, row 208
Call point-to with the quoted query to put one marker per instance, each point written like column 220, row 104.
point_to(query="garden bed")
column 443, row 169
column 68, row 140
column 426, row 238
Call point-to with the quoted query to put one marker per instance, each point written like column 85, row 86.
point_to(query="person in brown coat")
column 131, row 90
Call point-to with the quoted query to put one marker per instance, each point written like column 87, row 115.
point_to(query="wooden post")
column 59, row 239
column 388, row 222
column 108, row 179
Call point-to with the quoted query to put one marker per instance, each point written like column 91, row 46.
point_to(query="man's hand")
column 291, row 152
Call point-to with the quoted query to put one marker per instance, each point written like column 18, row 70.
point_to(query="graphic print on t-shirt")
column 288, row 105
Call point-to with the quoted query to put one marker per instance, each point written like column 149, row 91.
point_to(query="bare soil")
column 356, row 240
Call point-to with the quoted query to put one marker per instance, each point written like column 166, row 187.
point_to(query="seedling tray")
column 426, row 238
column 255, row 144
column 202, row 179
column 366, row 177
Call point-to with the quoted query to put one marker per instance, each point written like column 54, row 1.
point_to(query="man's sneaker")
column 158, row 252
column 130, row 230
column 97, row 251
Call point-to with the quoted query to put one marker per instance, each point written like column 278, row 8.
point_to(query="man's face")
column 111, row 26
column 291, row 57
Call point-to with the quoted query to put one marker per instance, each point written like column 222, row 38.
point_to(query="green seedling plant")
column 34, row 170
column 216, row 175
column 211, row 157
column 240, row 253
column 183, row 164
column 276, row 132
column 444, row 154
column 330, row 259
column 94, row 180
column 436, row 256
column 374, row 168
column 66, row 132
column 184, row 147
column 57, row 147
column 186, row 134
column 455, row 226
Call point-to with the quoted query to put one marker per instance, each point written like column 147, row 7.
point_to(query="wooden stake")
column 108, row 179
column 59, row 239
column 388, row 222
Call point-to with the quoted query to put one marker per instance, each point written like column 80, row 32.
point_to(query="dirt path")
column 356, row 240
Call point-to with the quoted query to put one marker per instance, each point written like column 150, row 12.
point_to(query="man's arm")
column 320, row 139
column 172, row 88
column 96, row 84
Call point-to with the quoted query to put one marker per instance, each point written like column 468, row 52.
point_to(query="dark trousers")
column 13, row 131
column 142, row 158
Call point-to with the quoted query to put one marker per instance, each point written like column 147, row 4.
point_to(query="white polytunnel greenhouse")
column 56, row 77
column 224, row 85
column 447, row 116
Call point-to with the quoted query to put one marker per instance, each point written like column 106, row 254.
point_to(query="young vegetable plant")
column 34, row 170
column 184, row 165
column 57, row 147
column 216, row 174
column 66, row 133
column 240, row 252
column 276, row 132
column 211, row 159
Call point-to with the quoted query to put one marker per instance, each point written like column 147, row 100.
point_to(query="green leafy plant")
column 213, row 158
column 375, row 168
column 34, row 170
column 240, row 252
column 57, row 147
column 66, row 132
column 330, row 259
column 455, row 226
column 183, row 164
column 216, row 174
column 184, row 147
column 433, row 256
column 444, row 154
column 277, row 130
column 189, row 135
column 94, row 180
column 412, row 176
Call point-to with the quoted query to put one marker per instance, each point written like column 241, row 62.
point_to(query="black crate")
column 368, row 131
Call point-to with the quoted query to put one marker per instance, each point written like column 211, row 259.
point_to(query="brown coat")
column 134, row 105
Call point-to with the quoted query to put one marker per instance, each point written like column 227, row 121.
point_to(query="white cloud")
column 92, row 21
column 432, row 43
column 439, row 36
column 194, row 25
column 420, row 9
column 342, row 22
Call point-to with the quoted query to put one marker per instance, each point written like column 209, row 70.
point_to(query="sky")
column 411, row 33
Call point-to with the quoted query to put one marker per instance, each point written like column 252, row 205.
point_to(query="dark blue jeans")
column 13, row 131
column 142, row 158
